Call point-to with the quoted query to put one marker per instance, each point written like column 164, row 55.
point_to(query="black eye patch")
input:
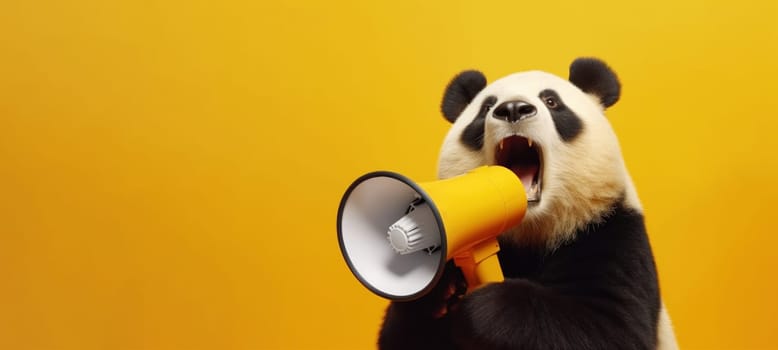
column 568, row 125
column 473, row 135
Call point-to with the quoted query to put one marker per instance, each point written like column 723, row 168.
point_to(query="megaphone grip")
column 489, row 270
column 480, row 265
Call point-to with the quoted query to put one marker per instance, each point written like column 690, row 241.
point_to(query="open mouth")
column 524, row 158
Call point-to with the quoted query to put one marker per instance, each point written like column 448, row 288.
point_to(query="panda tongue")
column 526, row 173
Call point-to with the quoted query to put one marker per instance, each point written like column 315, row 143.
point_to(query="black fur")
column 473, row 135
column 598, row 292
column 568, row 125
column 595, row 77
column 460, row 92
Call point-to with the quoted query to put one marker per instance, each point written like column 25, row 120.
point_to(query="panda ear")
column 595, row 77
column 460, row 92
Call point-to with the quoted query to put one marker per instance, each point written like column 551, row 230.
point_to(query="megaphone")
column 396, row 235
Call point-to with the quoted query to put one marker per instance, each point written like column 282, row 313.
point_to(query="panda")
column 579, row 270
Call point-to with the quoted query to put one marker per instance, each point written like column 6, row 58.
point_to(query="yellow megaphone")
column 396, row 235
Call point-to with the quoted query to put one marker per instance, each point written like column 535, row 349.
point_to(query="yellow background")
column 170, row 171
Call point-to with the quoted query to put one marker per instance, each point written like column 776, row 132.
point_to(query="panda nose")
column 514, row 111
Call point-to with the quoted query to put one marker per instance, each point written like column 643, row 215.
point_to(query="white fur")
column 665, row 334
column 581, row 179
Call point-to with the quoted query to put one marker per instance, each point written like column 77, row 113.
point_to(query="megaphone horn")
column 396, row 235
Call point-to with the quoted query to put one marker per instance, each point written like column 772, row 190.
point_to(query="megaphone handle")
column 481, row 265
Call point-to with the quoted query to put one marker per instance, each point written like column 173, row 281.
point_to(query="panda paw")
column 454, row 289
column 443, row 298
column 424, row 323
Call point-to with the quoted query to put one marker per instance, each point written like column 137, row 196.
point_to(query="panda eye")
column 488, row 104
column 551, row 102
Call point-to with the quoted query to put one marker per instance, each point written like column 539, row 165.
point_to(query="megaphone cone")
column 396, row 235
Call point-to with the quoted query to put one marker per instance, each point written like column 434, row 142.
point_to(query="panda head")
column 552, row 133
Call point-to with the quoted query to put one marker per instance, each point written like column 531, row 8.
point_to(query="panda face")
column 551, row 132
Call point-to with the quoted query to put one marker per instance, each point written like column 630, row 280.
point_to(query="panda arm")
column 599, row 292
column 519, row 313
column 424, row 323
column 405, row 328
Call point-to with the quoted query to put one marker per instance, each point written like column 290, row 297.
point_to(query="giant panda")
column 579, row 270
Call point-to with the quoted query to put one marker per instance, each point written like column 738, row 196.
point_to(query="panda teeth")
column 529, row 142
column 532, row 193
column 501, row 144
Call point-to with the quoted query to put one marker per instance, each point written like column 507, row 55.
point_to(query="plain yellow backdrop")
column 170, row 170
